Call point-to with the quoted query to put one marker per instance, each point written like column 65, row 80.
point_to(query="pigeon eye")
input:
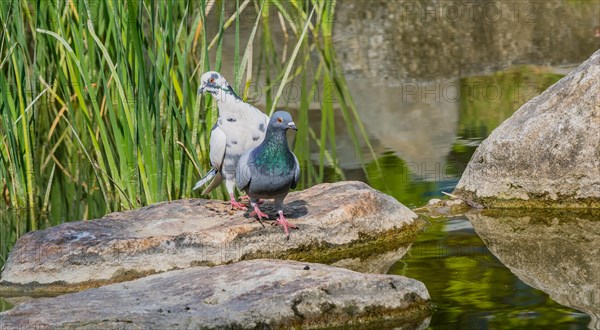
column 212, row 80
column 279, row 120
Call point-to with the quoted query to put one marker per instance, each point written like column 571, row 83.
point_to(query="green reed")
column 98, row 103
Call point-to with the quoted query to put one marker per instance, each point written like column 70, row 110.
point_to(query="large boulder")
column 337, row 221
column 556, row 251
column 548, row 153
column 257, row 294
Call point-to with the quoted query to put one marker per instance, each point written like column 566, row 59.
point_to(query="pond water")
column 472, row 288
column 470, row 285
column 426, row 108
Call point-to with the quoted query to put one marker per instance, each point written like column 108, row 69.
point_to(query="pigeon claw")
column 235, row 205
column 286, row 224
column 259, row 214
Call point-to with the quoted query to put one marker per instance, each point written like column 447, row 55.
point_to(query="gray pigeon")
column 271, row 169
column 240, row 127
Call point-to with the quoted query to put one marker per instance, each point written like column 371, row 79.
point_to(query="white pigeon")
column 240, row 127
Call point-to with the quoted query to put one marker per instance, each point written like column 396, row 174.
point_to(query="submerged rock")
column 547, row 154
column 253, row 294
column 337, row 221
column 445, row 207
column 557, row 252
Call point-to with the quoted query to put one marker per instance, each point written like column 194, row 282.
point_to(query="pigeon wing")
column 243, row 174
column 296, row 177
column 218, row 142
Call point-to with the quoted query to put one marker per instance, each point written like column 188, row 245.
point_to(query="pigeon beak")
column 201, row 89
column 292, row 125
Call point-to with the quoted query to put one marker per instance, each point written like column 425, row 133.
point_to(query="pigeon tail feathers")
column 215, row 183
column 209, row 175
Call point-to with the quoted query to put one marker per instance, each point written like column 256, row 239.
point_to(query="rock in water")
column 257, row 294
column 548, row 153
column 339, row 221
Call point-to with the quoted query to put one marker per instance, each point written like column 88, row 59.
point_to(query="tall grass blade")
column 291, row 63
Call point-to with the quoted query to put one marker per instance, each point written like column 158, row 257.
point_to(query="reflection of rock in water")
column 412, row 120
column 426, row 39
column 558, row 253
column 417, row 121
column 375, row 264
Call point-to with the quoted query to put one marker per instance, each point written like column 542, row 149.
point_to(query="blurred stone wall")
column 426, row 39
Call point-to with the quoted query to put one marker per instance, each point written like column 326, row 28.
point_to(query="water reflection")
column 375, row 264
column 473, row 289
column 402, row 117
column 433, row 127
column 556, row 252
column 427, row 132
column 430, row 87
column 5, row 305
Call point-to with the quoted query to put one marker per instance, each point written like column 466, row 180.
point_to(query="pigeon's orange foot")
column 286, row 224
column 235, row 205
column 258, row 213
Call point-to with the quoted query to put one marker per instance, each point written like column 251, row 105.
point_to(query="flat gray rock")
column 548, row 153
column 256, row 294
column 336, row 221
